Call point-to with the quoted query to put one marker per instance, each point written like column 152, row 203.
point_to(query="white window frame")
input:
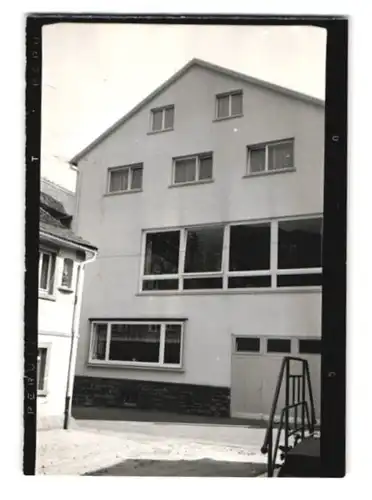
column 197, row 158
column 163, row 110
column 47, row 347
column 62, row 286
column 229, row 95
column 138, row 364
column 265, row 146
column 130, row 169
column 51, row 280
column 225, row 273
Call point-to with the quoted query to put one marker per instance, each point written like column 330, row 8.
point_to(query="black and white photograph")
column 180, row 320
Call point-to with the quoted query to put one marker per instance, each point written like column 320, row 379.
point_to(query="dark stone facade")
column 147, row 395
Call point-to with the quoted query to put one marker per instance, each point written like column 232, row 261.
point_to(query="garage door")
column 255, row 367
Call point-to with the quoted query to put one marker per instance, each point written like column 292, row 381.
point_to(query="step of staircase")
column 303, row 460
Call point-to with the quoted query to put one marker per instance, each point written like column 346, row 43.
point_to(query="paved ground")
column 117, row 447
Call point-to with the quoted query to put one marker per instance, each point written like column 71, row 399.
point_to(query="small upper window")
column 47, row 263
column 42, row 357
column 68, row 267
column 230, row 104
column 193, row 169
column 162, row 119
column 127, row 178
column 270, row 157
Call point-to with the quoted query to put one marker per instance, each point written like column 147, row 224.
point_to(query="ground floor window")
column 42, row 369
column 137, row 343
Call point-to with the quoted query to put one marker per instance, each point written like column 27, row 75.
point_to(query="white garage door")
column 256, row 363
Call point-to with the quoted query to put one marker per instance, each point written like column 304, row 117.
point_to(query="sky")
column 93, row 74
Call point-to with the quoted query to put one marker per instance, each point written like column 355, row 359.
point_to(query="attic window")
column 126, row 178
column 229, row 104
column 162, row 119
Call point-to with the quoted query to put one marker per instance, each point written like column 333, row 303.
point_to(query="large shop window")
column 270, row 254
column 136, row 343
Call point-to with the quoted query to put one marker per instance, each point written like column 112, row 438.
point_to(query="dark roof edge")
column 68, row 241
column 204, row 64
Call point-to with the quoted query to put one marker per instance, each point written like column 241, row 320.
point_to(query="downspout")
column 71, row 361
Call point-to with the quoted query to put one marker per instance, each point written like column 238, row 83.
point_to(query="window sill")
column 124, row 366
column 269, row 172
column 64, row 289
column 248, row 291
column 129, row 191
column 227, row 118
column 45, row 296
column 192, row 183
column 152, row 132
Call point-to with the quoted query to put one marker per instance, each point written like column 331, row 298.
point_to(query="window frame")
column 225, row 273
column 266, row 146
column 47, row 347
column 163, row 110
column 71, row 286
column 129, row 168
column 51, row 278
column 137, row 364
column 197, row 157
column 229, row 94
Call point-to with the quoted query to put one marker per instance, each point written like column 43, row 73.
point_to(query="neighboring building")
column 206, row 203
column 62, row 256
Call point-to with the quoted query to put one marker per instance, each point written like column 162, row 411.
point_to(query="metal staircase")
column 299, row 445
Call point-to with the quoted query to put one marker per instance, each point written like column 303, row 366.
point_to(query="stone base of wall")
column 49, row 422
column 145, row 395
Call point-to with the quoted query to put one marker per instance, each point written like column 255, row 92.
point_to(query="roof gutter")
column 68, row 243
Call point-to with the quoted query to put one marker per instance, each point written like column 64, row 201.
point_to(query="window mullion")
column 108, row 341
column 162, row 344
column 197, row 168
column 129, row 179
column 182, row 255
column 163, row 119
column 274, row 236
column 230, row 105
column 225, row 256
column 266, row 158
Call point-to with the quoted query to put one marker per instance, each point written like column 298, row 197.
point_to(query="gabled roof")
column 51, row 225
column 179, row 74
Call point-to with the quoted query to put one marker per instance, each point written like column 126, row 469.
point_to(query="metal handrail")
column 300, row 404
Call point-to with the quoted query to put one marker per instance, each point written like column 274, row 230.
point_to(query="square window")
column 162, row 253
column 300, row 244
column 250, row 247
column 185, row 170
column 162, row 119
column 280, row 156
column 119, row 180
column 204, row 249
column 126, row 178
column 229, row 104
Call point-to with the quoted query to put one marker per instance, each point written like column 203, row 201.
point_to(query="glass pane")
column 157, row 120
column 300, row 244
column 99, row 341
column 185, row 170
column 299, row 280
column 162, row 252
column 257, row 160
column 202, row 283
column 137, row 178
column 139, row 343
column 310, row 346
column 236, row 104
column 169, row 117
column 250, row 282
column 68, row 265
column 204, row 249
column 223, row 106
column 45, row 270
column 41, row 365
column 205, row 167
column 281, row 156
column 249, row 247
column 160, row 285
column 172, row 348
column 279, row 345
column 247, row 344
column 119, row 180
